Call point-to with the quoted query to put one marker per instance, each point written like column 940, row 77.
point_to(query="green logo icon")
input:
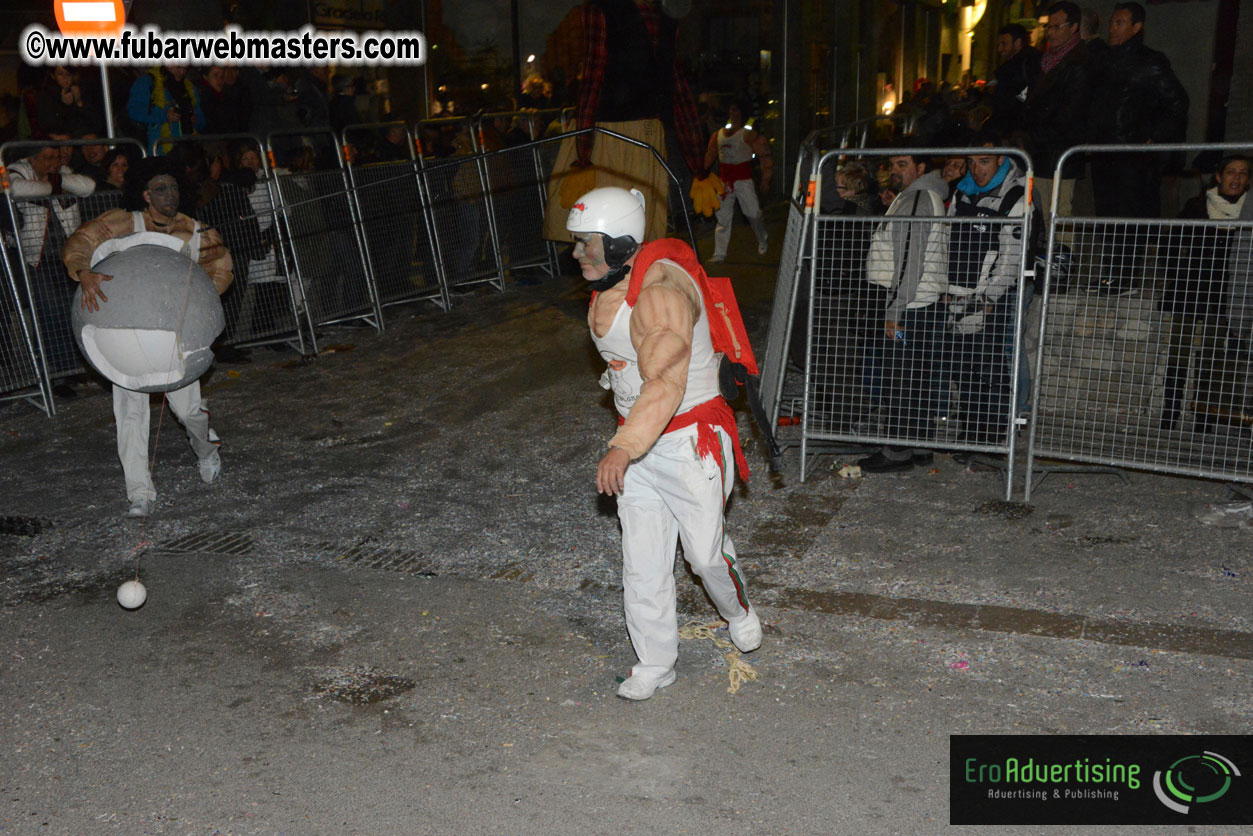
column 1194, row 779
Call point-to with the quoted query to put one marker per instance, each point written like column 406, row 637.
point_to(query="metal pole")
column 517, row 53
column 108, row 100
column 783, row 99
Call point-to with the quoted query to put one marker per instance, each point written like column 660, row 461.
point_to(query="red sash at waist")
column 729, row 173
column 712, row 413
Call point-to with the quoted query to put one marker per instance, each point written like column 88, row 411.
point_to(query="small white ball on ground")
column 132, row 595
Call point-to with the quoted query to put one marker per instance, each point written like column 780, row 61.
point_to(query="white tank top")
column 193, row 246
column 732, row 149
column 624, row 371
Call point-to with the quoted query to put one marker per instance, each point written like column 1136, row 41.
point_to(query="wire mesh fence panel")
column 259, row 303
column 927, row 365
column 1147, row 359
column 395, row 231
column 43, row 225
column 324, row 245
column 517, row 192
column 459, row 211
column 782, row 322
column 19, row 376
column 790, row 277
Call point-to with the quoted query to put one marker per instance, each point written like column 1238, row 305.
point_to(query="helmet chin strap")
column 611, row 278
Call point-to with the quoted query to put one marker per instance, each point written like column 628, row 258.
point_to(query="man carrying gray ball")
column 151, row 206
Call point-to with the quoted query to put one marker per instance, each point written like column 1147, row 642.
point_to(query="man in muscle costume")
column 673, row 460
column 151, row 196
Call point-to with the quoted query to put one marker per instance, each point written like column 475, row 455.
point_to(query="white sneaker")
column 716, row 259
column 746, row 632
column 210, row 467
column 640, row 687
column 761, row 248
column 139, row 508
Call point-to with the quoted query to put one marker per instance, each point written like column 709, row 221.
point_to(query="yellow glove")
column 706, row 195
column 576, row 183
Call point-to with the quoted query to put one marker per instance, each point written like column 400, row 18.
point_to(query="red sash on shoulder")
column 726, row 327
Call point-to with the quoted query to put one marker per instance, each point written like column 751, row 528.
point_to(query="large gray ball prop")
column 135, row 339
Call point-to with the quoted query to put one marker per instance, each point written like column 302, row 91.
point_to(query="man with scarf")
column 984, row 266
column 673, row 461
column 1196, row 295
column 1057, row 105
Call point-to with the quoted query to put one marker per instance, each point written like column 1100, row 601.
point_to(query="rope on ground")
column 738, row 671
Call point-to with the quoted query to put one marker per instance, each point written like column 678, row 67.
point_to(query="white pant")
column 132, row 413
column 746, row 194
column 668, row 493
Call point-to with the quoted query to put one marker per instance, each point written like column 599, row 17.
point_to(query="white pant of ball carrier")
column 132, row 412
column 671, row 492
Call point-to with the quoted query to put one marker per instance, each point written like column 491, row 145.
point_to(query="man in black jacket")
column 1020, row 67
column 1139, row 101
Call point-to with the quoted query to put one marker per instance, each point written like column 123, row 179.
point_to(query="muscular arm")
column 661, row 331
column 216, row 260
column 78, row 249
column 711, row 150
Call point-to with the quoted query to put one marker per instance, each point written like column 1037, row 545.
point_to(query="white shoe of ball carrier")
column 139, row 508
column 638, row 687
column 746, row 632
column 210, row 467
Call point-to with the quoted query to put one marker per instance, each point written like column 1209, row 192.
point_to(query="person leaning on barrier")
column 45, row 194
column 907, row 262
column 151, row 186
column 113, row 167
column 1196, row 294
column 984, row 267
column 849, row 190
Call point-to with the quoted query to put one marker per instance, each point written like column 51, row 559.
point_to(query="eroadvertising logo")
column 1211, row 772
column 1107, row 779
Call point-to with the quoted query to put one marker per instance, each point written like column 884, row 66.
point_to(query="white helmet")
column 611, row 211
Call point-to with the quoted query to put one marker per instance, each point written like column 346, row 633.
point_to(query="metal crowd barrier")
column 793, row 265
column 949, row 378
column 390, row 197
column 40, row 287
column 1146, row 336
column 312, row 246
column 456, row 181
column 322, row 226
column 517, row 193
column 19, row 376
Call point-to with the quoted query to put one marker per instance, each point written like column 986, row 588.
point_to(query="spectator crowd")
column 939, row 301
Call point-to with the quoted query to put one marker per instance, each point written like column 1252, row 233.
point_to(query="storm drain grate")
column 211, row 542
column 379, row 557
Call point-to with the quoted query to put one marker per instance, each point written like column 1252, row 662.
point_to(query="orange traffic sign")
column 90, row 18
